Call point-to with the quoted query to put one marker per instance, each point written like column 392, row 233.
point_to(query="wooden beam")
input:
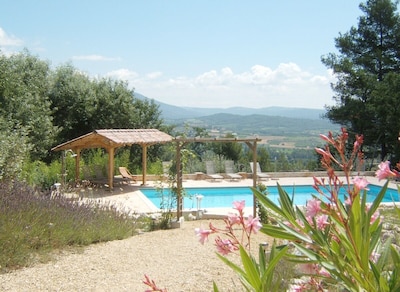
column 204, row 140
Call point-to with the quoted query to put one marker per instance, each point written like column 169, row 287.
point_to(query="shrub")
column 31, row 224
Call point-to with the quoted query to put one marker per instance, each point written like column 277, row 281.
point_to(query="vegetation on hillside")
column 262, row 125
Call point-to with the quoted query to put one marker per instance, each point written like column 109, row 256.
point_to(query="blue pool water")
column 218, row 197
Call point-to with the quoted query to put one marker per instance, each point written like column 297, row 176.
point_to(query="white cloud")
column 8, row 40
column 123, row 74
column 260, row 86
column 94, row 58
column 154, row 75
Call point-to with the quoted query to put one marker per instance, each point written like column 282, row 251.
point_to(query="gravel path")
column 174, row 259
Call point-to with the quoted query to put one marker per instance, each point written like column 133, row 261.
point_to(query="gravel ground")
column 174, row 259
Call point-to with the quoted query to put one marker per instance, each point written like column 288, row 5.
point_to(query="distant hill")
column 302, row 113
column 280, row 126
column 172, row 113
column 257, row 124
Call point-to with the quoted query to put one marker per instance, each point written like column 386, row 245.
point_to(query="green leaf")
column 262, row 259
column 215, row 288
column 233, row 266
column 355, row 225
column 298, row 235
column 286, row 204
column 252, row 276
column 267, row 203
column 394, row 281
column 307, row 252
column 275, row 258
column 378, row 200
column 277, row 232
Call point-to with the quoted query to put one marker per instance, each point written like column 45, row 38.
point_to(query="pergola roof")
column 110, row 140
column 114, row 138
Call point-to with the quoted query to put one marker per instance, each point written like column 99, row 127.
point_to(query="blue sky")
column 209, row 53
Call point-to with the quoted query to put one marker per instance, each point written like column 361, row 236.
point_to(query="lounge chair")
column 126, row 175
column 211, row 171
column 229, row 172
column 260, row 175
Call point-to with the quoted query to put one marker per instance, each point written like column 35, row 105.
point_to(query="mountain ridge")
column 172, row 113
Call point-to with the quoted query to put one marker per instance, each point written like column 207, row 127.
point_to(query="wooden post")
column 110, row 168
column 144, row 163
column 77, row 164
column 178, row 181
column 253, row 148
column 255, row 178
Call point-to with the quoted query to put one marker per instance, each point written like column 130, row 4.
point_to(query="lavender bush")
column 32, row 224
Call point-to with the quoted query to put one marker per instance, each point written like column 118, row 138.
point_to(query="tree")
column 82, row 105
column 368, row 54
column 14, row 150
column 228, row 150
column 24, row 100
column 72, row 96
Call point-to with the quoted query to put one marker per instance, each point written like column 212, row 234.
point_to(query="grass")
column 32, row 225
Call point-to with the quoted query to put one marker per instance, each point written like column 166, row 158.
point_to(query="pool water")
column 222, row 197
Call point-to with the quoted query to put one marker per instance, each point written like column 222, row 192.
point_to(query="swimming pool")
column 222, row 197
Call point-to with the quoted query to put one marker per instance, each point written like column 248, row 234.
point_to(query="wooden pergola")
column 111, row 139
column 181, row 142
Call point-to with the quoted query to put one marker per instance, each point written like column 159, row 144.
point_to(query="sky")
column 190, row 53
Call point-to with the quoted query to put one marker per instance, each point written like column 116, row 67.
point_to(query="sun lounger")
column 229, row 172
column 126, row 175
column 210, row 169
column 260, row 175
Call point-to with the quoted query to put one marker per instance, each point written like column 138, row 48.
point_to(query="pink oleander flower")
column 323, row 272
column 375, row 216
column 298, row 288
column 317, row 181
column 325, row 154
column 360, row 183
column 359, row 141
column 202, row 234
column 239, row 205
column 225, row 246
column 313, row 207
column 384, row 171
column 326, row 138
column 322, row 221
column 308, row 269
column 253, row 224
column 374, row 257
column 152, row 285
column 233, row 219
